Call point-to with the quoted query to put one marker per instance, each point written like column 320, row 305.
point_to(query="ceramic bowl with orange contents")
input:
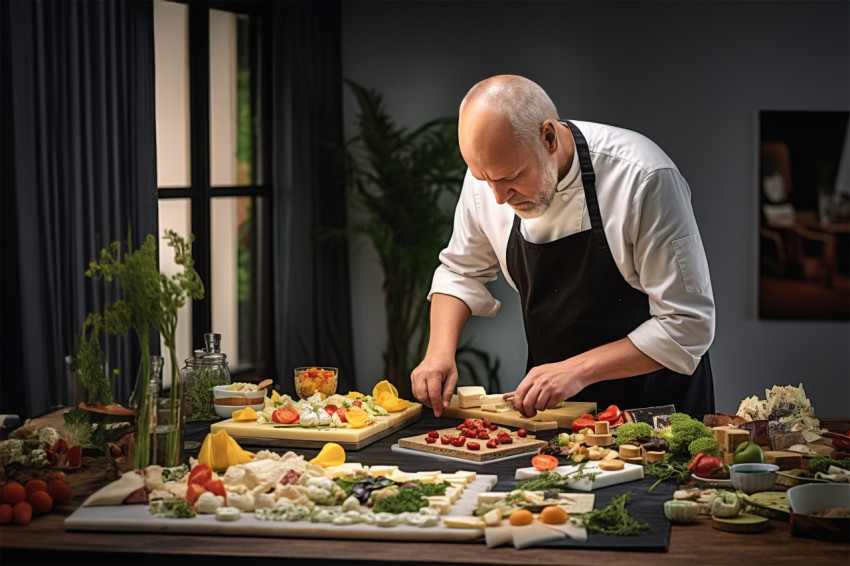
column 312, row 380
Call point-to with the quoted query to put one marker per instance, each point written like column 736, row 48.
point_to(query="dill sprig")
column 550, row 480
column 613, row 519
column 668, row 470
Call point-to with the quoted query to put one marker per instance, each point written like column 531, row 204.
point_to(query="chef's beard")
column 536, row 207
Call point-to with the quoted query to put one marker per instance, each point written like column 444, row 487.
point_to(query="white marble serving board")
column 137, row 518
column 630, row 472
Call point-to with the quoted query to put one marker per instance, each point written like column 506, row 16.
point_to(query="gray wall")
column 690, row 75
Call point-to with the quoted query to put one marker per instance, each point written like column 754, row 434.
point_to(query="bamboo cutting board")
column 484, row 454
column 562, row 417
column 296, row 437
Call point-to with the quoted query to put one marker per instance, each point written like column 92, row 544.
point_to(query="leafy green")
column 668, row 470
column 77, row 426
column 627, row 432
column 408, row 499
column 705, row 445
column 613, row 519
column 430, row 489
column 683, row 431
column 820, row 463
column 175, row 508
column 550, row 480
column 175, row 473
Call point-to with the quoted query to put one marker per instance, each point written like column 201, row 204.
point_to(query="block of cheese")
column 453, row 493
column 470, row 396
column 601, row 427
column 629, row 451
column 784, row 459
column 464, row 522
column 493, row 517
column 491, row 496
column 469, row 476
column 720, row 434
column 453, row 478
column 440, row 502
column 599, row 439
column 385, row 471
column 734, row 437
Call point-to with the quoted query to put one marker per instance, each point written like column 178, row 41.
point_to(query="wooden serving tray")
column 296, row 437
column 484, row 454
column 562, row 417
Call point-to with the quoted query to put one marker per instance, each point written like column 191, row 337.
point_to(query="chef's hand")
column 433, row 383
column 545, row 386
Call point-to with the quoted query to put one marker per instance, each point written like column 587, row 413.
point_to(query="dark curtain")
column 311, row 279
column 78, row 171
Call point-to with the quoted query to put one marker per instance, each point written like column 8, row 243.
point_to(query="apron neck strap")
column 588, row 180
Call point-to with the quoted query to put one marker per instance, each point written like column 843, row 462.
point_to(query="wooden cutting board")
column 562, row 417
column 296, row 437
column 484, row 454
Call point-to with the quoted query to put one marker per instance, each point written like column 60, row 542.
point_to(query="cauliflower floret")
column 322, row 482
column 12, row 451
column 48, row 436
column 320, row 495
column 243, row 502
column 351, row 504
column 208, row 502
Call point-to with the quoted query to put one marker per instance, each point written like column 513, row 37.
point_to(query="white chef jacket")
column 650, row 228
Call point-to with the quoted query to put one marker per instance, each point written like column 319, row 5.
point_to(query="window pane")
column 237, row 276
column 171, row 38
column 175, row 214
column 231, row 116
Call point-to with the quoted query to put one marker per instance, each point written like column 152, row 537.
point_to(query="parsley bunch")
column 613, row 519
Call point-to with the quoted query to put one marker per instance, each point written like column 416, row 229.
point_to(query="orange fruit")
column 41, row 502
column 35, row 485
column 5, row 514
column 22, row 513
column 553, row 515
column 59, row 490
column 13, row 492
column 521, row 517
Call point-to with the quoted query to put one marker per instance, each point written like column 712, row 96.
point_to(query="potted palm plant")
column 405, row 184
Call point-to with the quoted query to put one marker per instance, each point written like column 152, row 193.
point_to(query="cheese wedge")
column 470, row 476
column 385, row 471
column 441, row 503
column 491, row 496
column 116, row 492
column 493, row 517
column 533, row 534
column 453, row 493
column 497, row 536
column 464, row 522
column 572, row 531
column 470, row 396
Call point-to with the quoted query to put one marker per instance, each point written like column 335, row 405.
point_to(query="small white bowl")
column 753, row 477
column 226, row 402
column 814, row 496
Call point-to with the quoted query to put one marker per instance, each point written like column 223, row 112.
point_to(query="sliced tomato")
column 358, row 403
column 200, row 475
column 285, row 415
column 193, row 492
column 544, row 462
column 331, row 409
column 341, row 414
column 217, row 488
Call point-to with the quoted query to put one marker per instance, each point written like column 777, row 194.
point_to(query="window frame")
column 200, row 191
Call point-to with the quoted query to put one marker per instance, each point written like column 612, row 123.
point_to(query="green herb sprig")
column 668, row 470
column 551, row 480
column 613, row 519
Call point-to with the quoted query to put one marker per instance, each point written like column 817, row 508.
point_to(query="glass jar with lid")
column 203, row 372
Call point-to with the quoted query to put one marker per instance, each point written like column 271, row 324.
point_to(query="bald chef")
column 599, row 239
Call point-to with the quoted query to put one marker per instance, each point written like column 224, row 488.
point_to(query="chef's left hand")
column 545, row 386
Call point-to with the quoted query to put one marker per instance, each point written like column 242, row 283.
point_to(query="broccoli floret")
column 685, row 430
column 627, row 432
column 705, row 445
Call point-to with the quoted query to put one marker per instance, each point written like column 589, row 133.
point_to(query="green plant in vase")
column 174, row 291
column 137, row 274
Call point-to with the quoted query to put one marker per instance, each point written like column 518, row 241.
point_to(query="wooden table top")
column 46, row 541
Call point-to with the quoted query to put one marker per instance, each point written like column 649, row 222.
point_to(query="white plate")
column 710, row 482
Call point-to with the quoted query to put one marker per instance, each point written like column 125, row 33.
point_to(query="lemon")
column 382, row 386
column 331, row 454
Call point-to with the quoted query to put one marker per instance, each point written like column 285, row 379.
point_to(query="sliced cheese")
column 493, row 517
column 441, row 503
column 491, row 496
column 453, row 493
column 425, row 477
column 385, row 471
column 453, row 478
column 116, row 492
column 470, row 476
column 497, row 536
column 464, row 522
column 470, row 396
column 534, row 534
column 493, row 408
column 569, row 529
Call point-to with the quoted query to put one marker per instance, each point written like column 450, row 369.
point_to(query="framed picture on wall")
column 804, row 209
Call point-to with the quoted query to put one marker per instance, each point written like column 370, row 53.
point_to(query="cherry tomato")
column 483, row 435
column 341, row 414
column 493, row 427
column 473, row 446
column 506, row 440
column 486, row 423
column 358, row 403
column 544, row 462
column 331, row 409
column 430, row 440
column 458, row 441
column 433, row 434
column 285, row 415
column 522, row 433
column 445, row 439
column 493, row 443
column 200, row 475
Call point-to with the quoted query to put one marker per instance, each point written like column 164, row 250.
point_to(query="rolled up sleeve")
column 673, row 271
column 469, row 262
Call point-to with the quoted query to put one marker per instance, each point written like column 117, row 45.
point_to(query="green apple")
column 748, row 453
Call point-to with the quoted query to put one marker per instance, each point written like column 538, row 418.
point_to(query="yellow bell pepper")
column 384, row 386
column 355, row 395
column 245, row 415
column 220, row 451
column 357, row 417
column 392, row 403
column 331, row 454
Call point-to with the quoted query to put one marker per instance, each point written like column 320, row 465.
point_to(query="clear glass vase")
column 145, row 401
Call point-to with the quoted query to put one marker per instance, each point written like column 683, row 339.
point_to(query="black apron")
column 574, row 299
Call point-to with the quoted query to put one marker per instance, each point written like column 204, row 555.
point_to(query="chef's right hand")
column 433, row 383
